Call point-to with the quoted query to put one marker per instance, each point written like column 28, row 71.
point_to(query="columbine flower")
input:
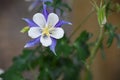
column 45, row 28
column 36, row 2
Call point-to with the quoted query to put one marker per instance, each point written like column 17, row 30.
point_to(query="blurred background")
column 12, row 41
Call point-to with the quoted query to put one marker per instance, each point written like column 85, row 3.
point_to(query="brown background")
column 12, row 41
column 108, row 69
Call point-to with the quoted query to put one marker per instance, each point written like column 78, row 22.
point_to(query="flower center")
column 47, row 31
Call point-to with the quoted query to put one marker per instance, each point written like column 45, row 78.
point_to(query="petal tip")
column 26, row 46
column 24, row 19
column 54, row 52
column 70, row 23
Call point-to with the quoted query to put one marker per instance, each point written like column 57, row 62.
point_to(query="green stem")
column 84, row 20
column 97, row 45
column 94, row 51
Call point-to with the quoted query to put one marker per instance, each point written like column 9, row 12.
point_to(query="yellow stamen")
column 46, row 31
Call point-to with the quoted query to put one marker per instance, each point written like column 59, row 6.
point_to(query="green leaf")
column 63, row 47
column 110, row 29
column 118, row 7
column 48, row 3
column 59, row 5
column 12, row 75
column 20, row 64
column 118, row 39
column 102, row 52
column 84, row 37
column 108, row 7
column 81, row 45
column 66, row 6
column 54, row 67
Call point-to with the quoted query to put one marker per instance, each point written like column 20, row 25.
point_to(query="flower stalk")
column 97, row 45
column 101, row 15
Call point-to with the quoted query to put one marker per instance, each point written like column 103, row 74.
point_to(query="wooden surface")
column 108, row 69
column 11, row 40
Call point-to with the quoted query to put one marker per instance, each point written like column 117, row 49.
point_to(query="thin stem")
column 94, row 52
column 97, row 45
column 33, row 72
column 82, row 22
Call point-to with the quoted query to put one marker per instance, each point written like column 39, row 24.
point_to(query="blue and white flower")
column 45, row 28
column 36, row 3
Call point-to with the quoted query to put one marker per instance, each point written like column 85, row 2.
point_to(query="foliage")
column 67, row 64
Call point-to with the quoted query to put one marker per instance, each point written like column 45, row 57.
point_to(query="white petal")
column 34, row 32
column 46, row 41
column 1, row 79
column 1, row 71
column 39, row 19
column 104, row 21
column 57, row 33
column 52, row 19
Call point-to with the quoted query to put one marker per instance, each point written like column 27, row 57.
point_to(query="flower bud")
column 101, row 13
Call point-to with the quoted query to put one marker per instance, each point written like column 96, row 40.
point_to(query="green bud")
column 25, row 29
column 101, row 13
